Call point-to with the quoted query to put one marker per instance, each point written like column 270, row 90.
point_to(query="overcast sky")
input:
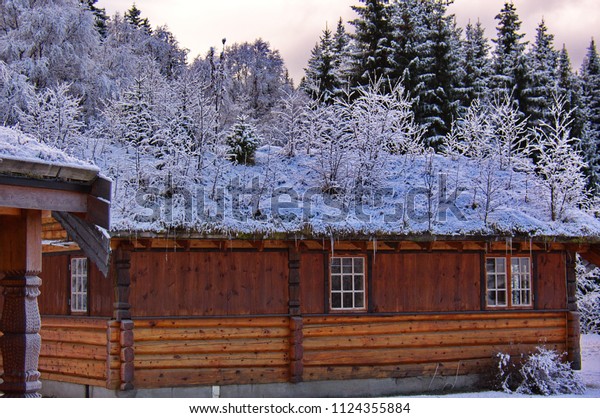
column 293, row 26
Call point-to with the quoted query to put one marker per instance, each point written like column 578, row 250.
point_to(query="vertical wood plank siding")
column 208, row 283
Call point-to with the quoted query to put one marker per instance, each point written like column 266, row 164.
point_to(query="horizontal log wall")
column 187, row 352
column 74, row 350
column 422, row 345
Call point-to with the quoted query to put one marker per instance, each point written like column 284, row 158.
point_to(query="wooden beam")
column 6, row 211
column 43, row 199
column 94, row 243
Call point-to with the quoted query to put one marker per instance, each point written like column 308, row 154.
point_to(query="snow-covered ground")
column 590, row 374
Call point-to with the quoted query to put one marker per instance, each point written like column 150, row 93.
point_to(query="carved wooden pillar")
column 20, row 265
column 573, row 327
column 296, row 322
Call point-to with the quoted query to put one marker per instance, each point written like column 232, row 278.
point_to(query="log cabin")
column 312, row 317
column 285, row 309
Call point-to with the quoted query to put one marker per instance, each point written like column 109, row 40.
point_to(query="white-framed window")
column 498, row 287
column 347, row 283
column 79, row 285
column 520, row 279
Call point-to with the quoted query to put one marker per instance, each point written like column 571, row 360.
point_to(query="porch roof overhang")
column 77, row 196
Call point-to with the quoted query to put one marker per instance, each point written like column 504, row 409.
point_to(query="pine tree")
column 243, row 140
column 568, row 85
column 320, row 82
column 543, row 59
column 341, row 57
column 372, row 42
column 440, row 100
column 477, row 65
column 590, row 74
column 509, row 61
column 133, row 16
column 427, row 61
column 99, row 14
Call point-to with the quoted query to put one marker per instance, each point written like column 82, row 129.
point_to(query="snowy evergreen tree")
column 320, row 81
column 134, row 17
column 509, row 60
column 373, row 49
column 590, row 75
column 342, row 60
column 476, row 63
column 568, row 85
column 100, row 16
column 243, row 140
column 543, row 63
column 439, row 101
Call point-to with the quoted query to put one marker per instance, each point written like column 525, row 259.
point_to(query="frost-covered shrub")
column 541, row 373
column 242, row 141
column 588, row 298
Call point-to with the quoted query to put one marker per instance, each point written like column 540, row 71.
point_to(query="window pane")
column 336, row 283
column 347, row 300
column 500, row 265
column 358, row 283
column 502, row 298
column 347, row 283
column 336, row 269
column 491, row 281
column 501, row 281
column 491, row 298
column 490, row 265
column 336, row 300
column 359, row 300
column 358, row 265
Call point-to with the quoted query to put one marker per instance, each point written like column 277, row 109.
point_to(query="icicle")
column 332, row 244
column 509, row 246
column 530, row 248
column 374, row 248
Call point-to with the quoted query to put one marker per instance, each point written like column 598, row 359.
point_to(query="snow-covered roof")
column 23, row 155
column 280, row 197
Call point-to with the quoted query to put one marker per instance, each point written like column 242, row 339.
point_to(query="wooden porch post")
column 573, row 329
column 20, row 265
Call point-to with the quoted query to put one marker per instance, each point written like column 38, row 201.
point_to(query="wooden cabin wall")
column 210, row 351
column 74, row 350
column 56, row 287
column 426, row 282
column 422, row 345
column 208, row 283
column 550, row 280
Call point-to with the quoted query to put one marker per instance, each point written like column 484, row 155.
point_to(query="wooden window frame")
column 342, row 290
column 75, row 274
column 509, row 289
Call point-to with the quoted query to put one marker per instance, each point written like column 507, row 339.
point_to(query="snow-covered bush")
column 242, row 141
column 588, row 298
column 541, row 373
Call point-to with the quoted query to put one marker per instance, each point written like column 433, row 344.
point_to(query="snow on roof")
column 23, row 155
column 280, row 196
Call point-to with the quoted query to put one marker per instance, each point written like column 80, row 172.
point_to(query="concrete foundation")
column 359, row 388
